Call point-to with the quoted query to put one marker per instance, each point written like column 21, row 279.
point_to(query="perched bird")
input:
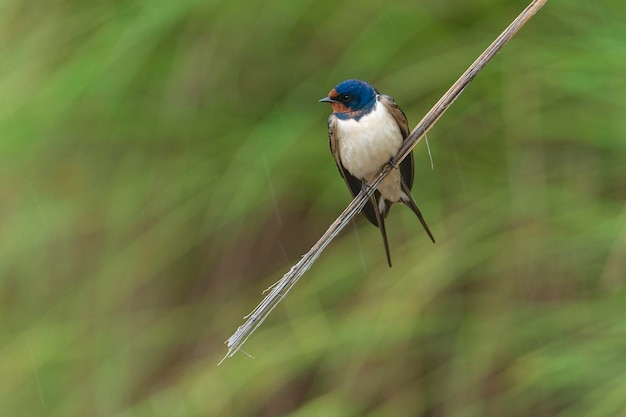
column 365, row 131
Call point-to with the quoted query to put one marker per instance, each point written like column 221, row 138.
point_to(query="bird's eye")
column 345, row 97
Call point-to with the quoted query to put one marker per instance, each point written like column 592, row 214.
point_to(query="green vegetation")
column 164, row 162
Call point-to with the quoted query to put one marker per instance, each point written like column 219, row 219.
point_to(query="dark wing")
column 353, row 183
column 406, row 167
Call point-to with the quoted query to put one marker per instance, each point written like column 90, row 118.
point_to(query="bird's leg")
column 364, row 186
column 392, row 162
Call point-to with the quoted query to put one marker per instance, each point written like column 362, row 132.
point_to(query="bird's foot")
column 392, row 162
column 364, row 187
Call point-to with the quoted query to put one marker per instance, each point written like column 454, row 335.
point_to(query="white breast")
column 366, row 145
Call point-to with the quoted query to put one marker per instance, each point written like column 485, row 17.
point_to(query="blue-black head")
column 352, row 97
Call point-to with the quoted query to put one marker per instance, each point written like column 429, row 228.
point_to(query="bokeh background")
column 164, row 162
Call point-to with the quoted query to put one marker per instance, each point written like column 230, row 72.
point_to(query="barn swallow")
column 365, row 131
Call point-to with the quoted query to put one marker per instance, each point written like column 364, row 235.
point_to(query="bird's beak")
column 328, row 100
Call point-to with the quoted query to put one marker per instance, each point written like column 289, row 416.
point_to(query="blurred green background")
column 164, row 162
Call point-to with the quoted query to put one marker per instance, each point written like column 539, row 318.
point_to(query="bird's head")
column 351, row 96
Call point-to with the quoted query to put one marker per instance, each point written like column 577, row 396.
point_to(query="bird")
column 365, row 131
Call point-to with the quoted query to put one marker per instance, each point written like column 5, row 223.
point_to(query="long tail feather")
column 409, row 201
column 381, row 224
